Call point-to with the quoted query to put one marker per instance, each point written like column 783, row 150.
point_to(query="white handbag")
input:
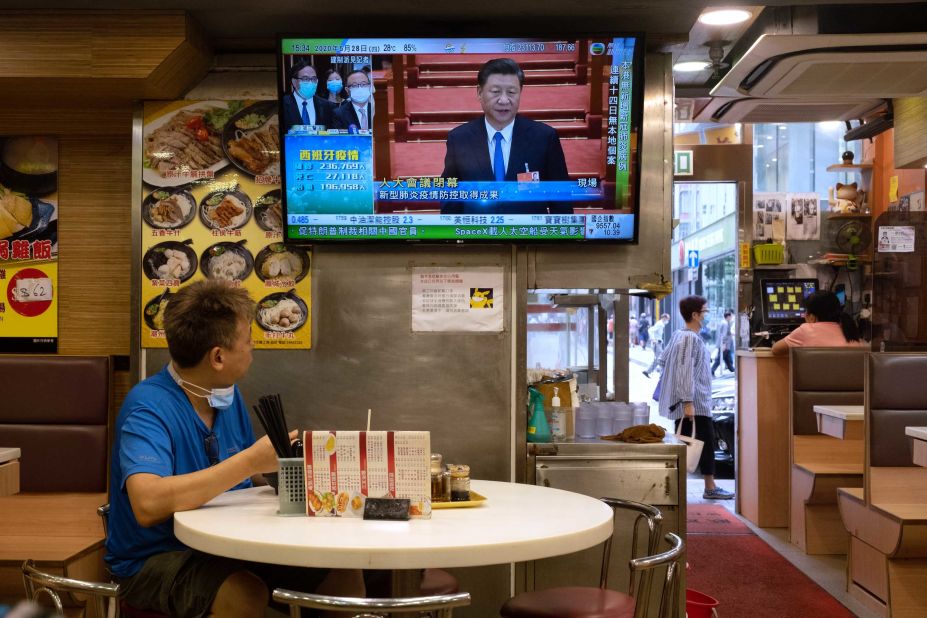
column 693, row 447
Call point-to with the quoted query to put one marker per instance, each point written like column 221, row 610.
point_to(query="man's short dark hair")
column 500, row 66
column 204, row 315
column 728, row 313
column 357, row 72
column 690, row 305
column 298, row 66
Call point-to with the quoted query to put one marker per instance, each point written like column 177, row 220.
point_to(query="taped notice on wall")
column 457, row 299
column 896, row 239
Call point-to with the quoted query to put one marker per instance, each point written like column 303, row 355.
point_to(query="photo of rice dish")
column 282, row 315
column 225, row 211
column 228, row 265
column 15, row 212
column 186, row 141
column 170, row 210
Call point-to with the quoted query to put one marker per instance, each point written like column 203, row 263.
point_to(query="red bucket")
column 699, row 604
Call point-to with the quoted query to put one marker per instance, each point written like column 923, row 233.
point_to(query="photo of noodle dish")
column 169, row 209
column 251, row 139
column 229, row 261
column 186, row 141
column 279, row 261
column 225, row 210
column 282, row 312
column 268, row 211
column 153, row 314
column 170, row 260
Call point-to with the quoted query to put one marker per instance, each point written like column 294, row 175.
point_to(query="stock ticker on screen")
column 427, row 167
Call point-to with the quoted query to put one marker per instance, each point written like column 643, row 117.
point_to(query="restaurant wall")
column 466, row 388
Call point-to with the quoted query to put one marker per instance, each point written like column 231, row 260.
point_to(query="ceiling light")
column 724, row 17
column 693, row 66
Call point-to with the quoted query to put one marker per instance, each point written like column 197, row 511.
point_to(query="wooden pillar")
column 400, row 119
column 381, row 152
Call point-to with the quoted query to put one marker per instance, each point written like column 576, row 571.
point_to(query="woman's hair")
column 690, row 305
column 204, row 315
column 825, row 306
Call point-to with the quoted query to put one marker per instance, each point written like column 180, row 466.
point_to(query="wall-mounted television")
column 461, row 139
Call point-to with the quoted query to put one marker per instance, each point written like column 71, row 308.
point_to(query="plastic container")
column 460, row 482
column 585, row 420
column 622, row 417
column 700, row 605
column 640, row 413
column 604, row 418
column 769, row 253
column 538, row 428
column 558, row 418
column 291, row 494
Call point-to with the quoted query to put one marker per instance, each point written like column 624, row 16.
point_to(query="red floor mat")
column 713, row 519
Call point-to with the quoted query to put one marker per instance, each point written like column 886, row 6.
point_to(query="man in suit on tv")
column 301, row 105
column 501, row 144
column 357, row 110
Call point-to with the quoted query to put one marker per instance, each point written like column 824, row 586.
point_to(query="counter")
column 763, row 438
column 9, row 471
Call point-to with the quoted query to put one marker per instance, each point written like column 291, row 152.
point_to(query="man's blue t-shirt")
column 159, row 432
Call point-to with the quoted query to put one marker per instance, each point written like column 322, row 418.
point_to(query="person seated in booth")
column 302, row 105
column 183, row 437
column 826, row 325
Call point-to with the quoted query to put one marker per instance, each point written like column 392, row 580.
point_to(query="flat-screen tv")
column 461, row 139
column 784, row 299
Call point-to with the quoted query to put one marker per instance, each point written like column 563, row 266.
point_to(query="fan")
column 853, row 238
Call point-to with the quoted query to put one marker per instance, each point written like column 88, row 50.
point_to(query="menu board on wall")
column 345, row 468
column 28, row 245
column 211, row 208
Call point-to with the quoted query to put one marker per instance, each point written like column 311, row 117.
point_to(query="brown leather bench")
column 887, row 518
column 56, row 411
column 820, row 464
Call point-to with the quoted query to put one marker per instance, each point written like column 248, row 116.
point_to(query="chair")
column 601, row 602
column 440, row 606
column 101, row 598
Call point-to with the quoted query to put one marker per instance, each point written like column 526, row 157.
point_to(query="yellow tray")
column 475, row 500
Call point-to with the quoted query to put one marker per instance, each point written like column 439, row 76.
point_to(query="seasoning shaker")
column 460, row 482
column 440, row 480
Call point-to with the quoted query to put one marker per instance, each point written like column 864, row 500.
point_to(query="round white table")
column 516, row 523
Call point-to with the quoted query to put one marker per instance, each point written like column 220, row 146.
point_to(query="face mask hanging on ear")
column 218, row 398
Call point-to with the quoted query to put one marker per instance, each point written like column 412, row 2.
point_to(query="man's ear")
column 216, row 356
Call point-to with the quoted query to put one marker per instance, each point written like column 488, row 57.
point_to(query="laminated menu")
column 344, row 468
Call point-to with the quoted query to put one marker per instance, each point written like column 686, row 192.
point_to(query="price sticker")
column 32, row 290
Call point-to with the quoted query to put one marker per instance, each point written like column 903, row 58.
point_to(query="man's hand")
column 688, row 409
column 262, row 455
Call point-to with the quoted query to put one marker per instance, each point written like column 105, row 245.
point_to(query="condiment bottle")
column 440, row 480
column 558, row 418
column 460, row 482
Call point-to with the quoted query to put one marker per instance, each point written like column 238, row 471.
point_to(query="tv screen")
column 784, row 299
column 486, row 139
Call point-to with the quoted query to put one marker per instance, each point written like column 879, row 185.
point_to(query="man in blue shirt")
column 182, row 438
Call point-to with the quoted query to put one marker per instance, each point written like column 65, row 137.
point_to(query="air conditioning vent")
column 783, row 110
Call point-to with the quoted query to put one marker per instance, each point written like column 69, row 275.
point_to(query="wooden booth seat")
column 820, row 464
column 887, row 518
column 56, row 411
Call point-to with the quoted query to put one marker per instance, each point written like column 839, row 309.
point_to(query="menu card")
column 344, row 468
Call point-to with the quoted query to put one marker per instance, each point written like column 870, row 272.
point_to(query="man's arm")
column 156, row 498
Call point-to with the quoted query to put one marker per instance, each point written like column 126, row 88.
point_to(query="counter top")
column 918, row 433
column 758, row 353
column 9, row 454
column 846, row 413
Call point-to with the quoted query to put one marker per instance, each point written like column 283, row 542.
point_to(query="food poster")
column 211, row 208
column 344, row 468
column 28, row 245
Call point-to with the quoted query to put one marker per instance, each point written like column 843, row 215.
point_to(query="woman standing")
column 685, row 388
column 334, row 87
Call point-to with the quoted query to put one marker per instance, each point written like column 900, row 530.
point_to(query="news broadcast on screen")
column 469, row 139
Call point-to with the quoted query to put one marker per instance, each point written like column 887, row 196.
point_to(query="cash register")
column 783, row 302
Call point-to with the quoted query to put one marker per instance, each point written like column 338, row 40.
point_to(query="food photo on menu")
column 212, row 208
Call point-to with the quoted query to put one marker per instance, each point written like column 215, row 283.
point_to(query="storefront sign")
column 457, row 299
column 744, row 255
column 709, row 242
column 211, row 207
column 29, row 245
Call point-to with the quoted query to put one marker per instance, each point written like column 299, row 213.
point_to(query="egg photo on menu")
column 225, row 210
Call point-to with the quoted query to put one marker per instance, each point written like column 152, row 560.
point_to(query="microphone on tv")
column 352, row 129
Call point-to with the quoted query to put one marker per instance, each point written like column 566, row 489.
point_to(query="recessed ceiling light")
column 693, row 66
column 724, row 17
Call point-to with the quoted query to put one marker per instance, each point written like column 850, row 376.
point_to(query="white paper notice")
column 457, row 299
column 768, row 216
column 802, row 219
column 896, row 239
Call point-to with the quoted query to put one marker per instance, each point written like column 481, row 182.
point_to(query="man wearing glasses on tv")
column 500, row 145
column 301, row 105
column 183, row 437
column 357, row 111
